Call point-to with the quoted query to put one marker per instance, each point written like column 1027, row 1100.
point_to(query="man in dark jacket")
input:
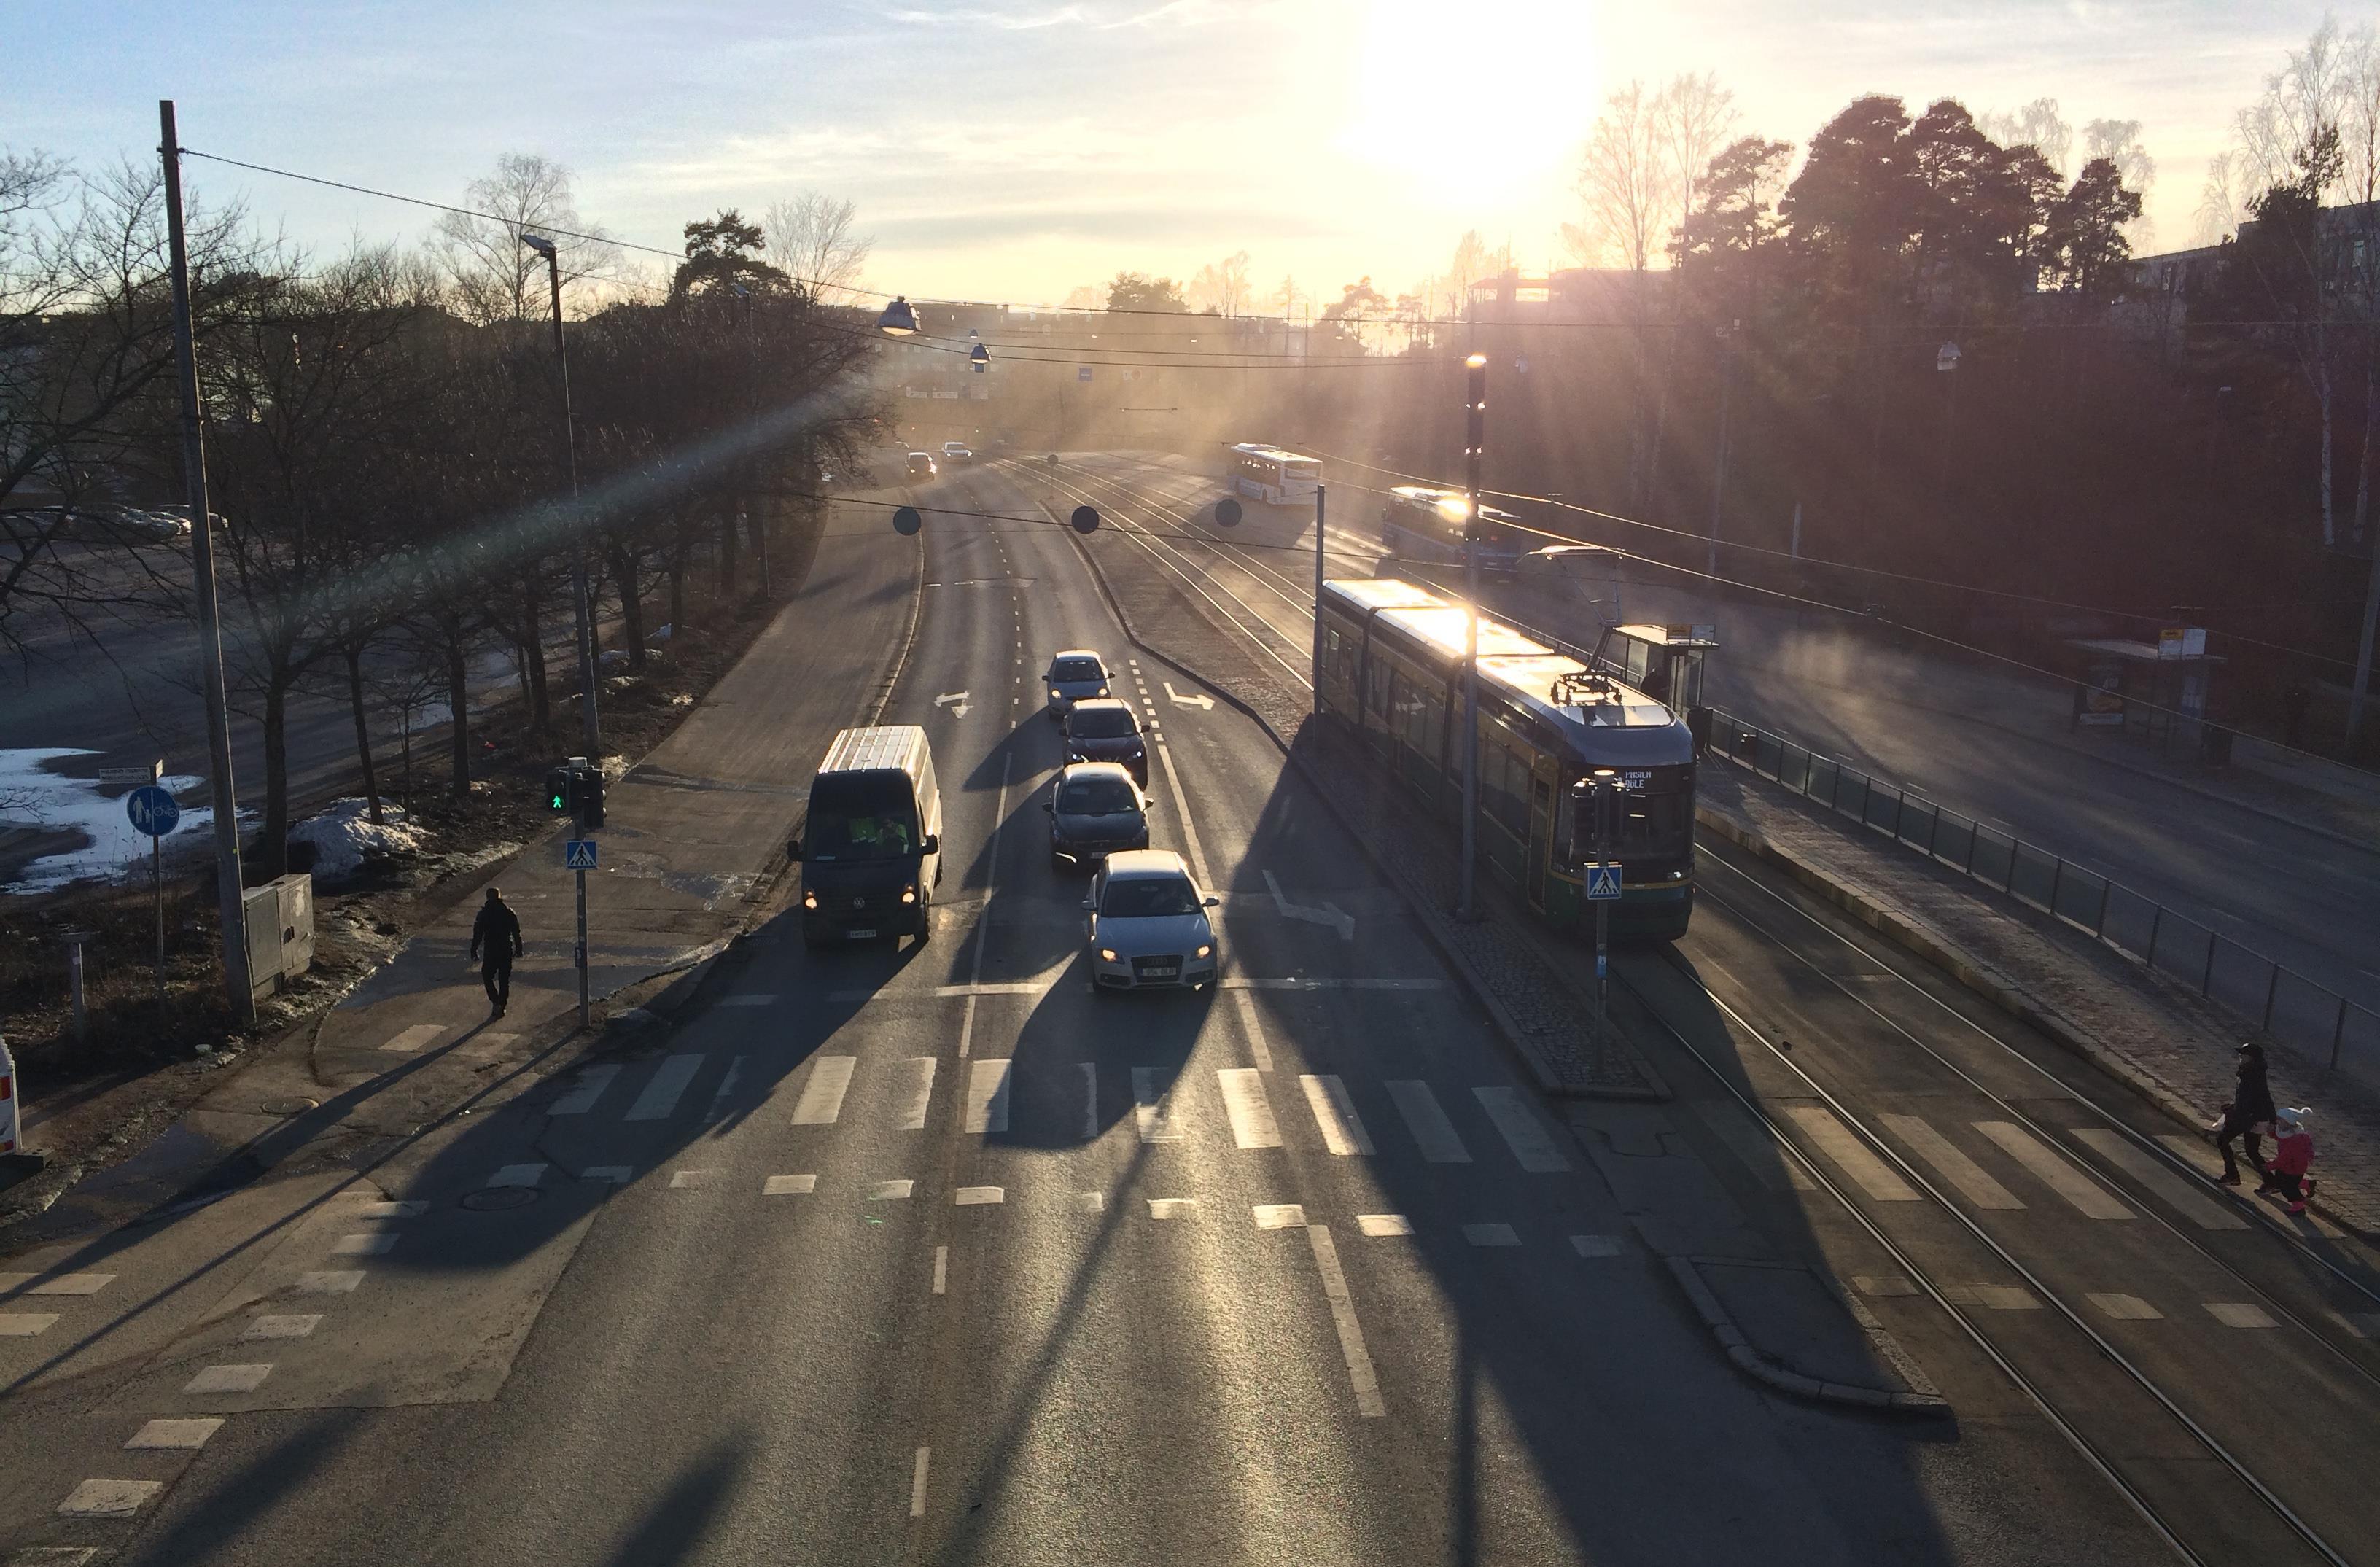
column 496, row 941
column 2251, row 1108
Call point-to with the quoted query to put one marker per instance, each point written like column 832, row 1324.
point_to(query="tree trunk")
column 532, row 647
column 2363, row 454
column 727, row 532
column 272, row 850
column 677, row 586
column 2322, row 396
column 364, row 732
column 458, row 703
column 632, row 605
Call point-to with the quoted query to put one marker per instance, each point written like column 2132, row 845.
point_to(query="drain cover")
column 494, row 1200
column 293, row 1106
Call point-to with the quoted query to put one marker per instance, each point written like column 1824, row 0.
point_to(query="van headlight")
column 909, row 894
column 809, row 899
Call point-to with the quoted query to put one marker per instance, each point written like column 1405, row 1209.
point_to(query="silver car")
column 1095, row 810
column 1149, row 927
column 1074, row 674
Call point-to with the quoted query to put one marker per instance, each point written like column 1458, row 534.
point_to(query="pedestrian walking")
column 2247, row 1116
column 2292, row 1155
column 495, row 941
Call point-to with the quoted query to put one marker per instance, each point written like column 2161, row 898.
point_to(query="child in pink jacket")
column 2292, row 1154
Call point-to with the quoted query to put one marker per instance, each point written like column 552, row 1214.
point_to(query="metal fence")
column 2310, row 1018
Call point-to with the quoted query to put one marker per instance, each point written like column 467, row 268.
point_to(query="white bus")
column 1270, row 474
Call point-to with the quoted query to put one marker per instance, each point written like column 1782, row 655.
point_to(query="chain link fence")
column 2310, row 1018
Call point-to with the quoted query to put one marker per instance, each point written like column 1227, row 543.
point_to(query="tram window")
column 1377, row 688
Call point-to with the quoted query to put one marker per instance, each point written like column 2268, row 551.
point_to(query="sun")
column 1485, row 99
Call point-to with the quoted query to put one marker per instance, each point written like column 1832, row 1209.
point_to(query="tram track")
column 2176, row 1511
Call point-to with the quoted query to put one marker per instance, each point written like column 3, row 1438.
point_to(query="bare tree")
column 2039, row 125
column 1627, row 183
column 812, row 241
column 1223, row 286
column 495, row 275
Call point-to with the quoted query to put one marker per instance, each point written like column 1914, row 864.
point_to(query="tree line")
column 385, row 443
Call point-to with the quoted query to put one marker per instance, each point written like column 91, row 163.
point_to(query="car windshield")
column 1103, row 724
column 1148, row 897
column 1098, row 797
column 1076, row 669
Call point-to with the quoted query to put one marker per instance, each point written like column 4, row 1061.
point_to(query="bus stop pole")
column 1602, row 914
column 580, row 954
column 1319, row 493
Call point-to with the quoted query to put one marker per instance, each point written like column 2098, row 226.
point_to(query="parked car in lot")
column 103, row 525
column 1149, row 927
column 1104, row 729
column 1073, row 675
column 921, row 464
column 1096, row 810
column 956, row 452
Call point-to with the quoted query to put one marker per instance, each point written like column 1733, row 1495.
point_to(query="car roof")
column 1074, row 770
column 1134, row 863
column 921, row 453
column 1099, row 704
column 1076, row 654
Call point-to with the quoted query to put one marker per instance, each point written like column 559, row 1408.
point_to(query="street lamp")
column 1946, row 360
column 592, row 731
column 898, row 320
column 1476, row 440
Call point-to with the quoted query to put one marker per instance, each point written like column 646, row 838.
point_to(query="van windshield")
column 860, row 817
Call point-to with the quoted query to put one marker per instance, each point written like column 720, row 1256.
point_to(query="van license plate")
column 861, row 935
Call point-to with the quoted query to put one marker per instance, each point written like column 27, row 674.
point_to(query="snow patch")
column 35, row 796
column 343, row 837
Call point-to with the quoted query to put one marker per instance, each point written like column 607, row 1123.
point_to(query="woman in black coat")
column 2251, row 1108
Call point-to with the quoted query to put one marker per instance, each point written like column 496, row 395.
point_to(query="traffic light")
column 576, row 788
column 557, row 789
column 590, row 800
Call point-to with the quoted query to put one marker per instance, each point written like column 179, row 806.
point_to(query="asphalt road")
column 931, row 1255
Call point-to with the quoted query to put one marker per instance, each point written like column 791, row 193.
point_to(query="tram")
column 1268, row 473
column 1391, row 670
column 1421, row 524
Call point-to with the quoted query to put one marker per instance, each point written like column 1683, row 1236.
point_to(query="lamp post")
column 591, row 729
column 1475, row 439
column 1946, row 362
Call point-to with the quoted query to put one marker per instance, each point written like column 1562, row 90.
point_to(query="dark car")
column 921, row 464
column 1095, row 810
column 1104, row 729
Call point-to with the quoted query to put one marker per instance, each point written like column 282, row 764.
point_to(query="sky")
column 1016, row 148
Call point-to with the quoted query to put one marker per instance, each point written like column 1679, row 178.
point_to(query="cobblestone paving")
column 1506, row 964
column 2162, row 1030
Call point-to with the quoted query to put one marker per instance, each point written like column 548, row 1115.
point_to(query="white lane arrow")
column 1198, row 699
column 1330, row 914
column 958, row 696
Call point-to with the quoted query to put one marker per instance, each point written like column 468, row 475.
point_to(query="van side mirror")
column 793, row 848
column 932, row 845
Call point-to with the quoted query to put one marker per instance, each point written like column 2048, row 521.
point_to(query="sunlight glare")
column 1473, row 99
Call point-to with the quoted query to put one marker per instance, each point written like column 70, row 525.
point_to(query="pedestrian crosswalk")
column 1254, row 1111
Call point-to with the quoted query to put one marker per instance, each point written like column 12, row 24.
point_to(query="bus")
column 1422, row 524
column 1392, row 671
column 1268, row 473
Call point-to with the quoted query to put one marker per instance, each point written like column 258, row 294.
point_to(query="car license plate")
column 866, row 935
column 1161, row 971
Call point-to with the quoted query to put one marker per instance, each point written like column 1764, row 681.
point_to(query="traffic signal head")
column 591, row 797
column 557, row 789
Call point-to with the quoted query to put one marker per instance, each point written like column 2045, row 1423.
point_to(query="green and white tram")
column 1391, row 670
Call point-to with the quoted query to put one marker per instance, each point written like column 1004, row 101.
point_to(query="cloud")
column 1007, row 21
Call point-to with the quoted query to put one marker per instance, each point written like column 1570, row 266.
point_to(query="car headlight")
column 909, row 894
column 1107, row 954
column 1103, row 690
column 1053, row 693
column 810, row 900
column 1206, row 949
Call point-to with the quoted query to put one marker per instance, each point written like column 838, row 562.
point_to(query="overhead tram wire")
column 1693, row 537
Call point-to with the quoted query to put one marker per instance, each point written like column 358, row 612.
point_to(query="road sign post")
column 1602, row 884
column 156, row 812
column 578, row 856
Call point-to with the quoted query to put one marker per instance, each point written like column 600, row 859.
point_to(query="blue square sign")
column 1603, row 881
column 578, row 854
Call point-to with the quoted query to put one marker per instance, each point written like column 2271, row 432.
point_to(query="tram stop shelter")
column 2157, row 693
column 1663, row 661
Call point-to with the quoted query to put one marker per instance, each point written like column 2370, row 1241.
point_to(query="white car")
column 1149, row 927
column 956, row 452
column 1075, row 674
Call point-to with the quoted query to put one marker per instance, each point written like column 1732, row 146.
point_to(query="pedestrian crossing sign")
column 1603, row 881
column 578, row 854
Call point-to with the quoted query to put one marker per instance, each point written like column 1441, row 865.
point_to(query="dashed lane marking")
column 942, row 1269
column 747, row 1000
column 788, row 1186
column 182, row 1434
column 379, row 1243
column 244, row 1379
column 1992, row 1297
column 1092, row 1202
column 1360, row 1374
column 980, row 1196
column 891, row 1191
column 2124, row 1308
column 109, row 1498
column 1492, row 1236
column 330, row 1282
column 917, row 1484
column 517, row 1175
column 987, row 1098
column 1595, row 1246
column 1090, row 1099
column 617, row 1174
column 294, row 1326
column 24, row 1324
column 691, row 1180
column 1172, row 1208
column 1384, row 1224
column 821, row 1098
column 1278, row 1216
column 1155, row 1107
column 2239, row 1314
column 668, row 1083
column 1951, row 1163
column 55, row 1284
column 411, row 1041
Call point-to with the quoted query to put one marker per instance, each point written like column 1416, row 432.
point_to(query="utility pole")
column 591, row 729
column 1718, row 461
column 1320, row 494
column 230, row 910
column 2363, row 649
column 1475, row 433
column 1599, row 785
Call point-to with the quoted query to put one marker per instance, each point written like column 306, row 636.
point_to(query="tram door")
column 1541, row 841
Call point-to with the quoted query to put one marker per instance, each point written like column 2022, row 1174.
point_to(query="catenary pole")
column 225, row 801
column 1320, row 494
column 591, row 727
column 1476, row 410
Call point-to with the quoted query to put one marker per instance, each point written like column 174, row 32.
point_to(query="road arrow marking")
column 1198, row 699
column 1330, row 914
column 958, row 696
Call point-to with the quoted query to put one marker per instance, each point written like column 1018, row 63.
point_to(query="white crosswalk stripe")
column 820, row 1102
column 1750, row 1142
column 1523, row 1132
column 1952, row 1165
column 1430, row 1128
column 1335, row 1114
column 2192, row 1202
column 987, row 1101
column 1834, row 1139
column 585, row 1090
column 1155, row 1107
column 725, row 1095
column 915, row 1094
column 1249, row 1106
column 2051, row 1168
column 661, row 1094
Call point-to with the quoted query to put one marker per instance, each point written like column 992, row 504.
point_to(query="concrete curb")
column 1982, row 980
column 1474, row 984
column 1921, row 1401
